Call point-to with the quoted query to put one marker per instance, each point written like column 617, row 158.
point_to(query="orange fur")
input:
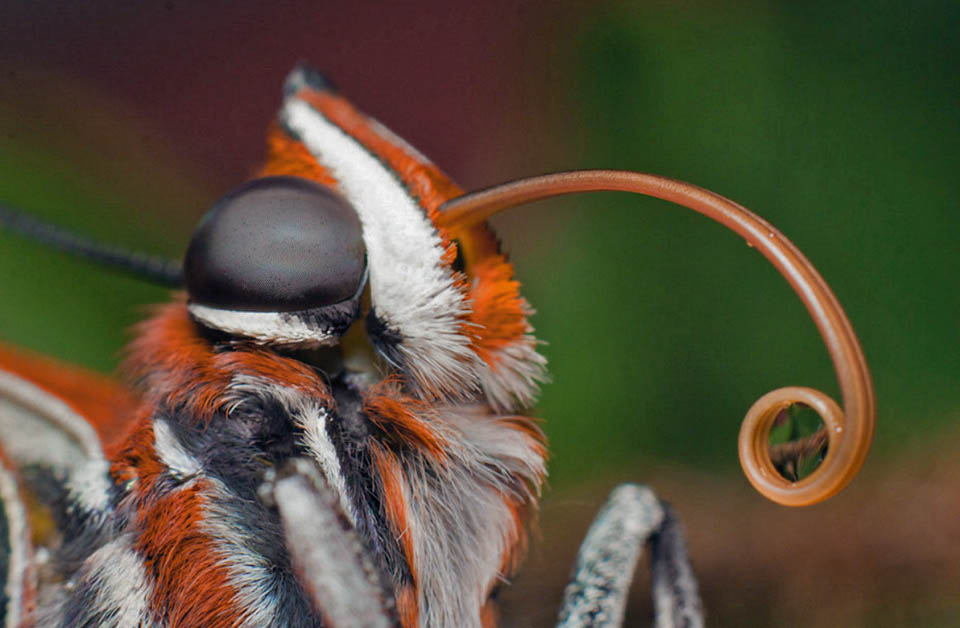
column 170, row 356
column 407, row 607
column 498, row 309
column 399, row 417
column 394, row 504
column 289, row 157
column 133, row 459
column 499, row 315
column 424, row 180
column 489, row 615
column 192, row 586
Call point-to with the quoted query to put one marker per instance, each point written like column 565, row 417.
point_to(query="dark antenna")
column 155, row 270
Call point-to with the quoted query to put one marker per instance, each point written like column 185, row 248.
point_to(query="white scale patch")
column 89, row 486
column 171, row 452
column 28, row 400
column 410, row 286
column 313, row 420
column 251, row 575
column 263, row 327
column 123, row 591
column 458, row 516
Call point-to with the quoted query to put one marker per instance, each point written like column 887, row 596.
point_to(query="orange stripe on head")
column 490, row 321
column 498, row 309
column 499, row 312
column 424, row 180
column 287, row 156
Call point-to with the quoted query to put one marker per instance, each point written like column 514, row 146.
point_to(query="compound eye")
column 276, row 244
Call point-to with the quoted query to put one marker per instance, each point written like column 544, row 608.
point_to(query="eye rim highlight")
column 308, row 328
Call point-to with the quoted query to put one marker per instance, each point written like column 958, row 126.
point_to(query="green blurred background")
column 838, row 122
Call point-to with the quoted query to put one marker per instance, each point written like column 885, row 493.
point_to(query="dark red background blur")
column 454, row 78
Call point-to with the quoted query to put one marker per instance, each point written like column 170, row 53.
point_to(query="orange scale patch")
column 399, row 418
column 499, row 312
column 390, row 475
column 134, row 458
column 492, row 287
column 424, row 180
column 171, row 358
column 192, row 587
column 287, row 156
column 407, row 609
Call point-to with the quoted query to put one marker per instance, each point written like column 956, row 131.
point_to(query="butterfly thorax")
column 440, row 494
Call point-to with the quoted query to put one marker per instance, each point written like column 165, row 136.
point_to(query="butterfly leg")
column 333, row 565
column 676, row 601
column 597, row 594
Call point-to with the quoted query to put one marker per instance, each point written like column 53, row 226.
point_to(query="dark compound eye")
column 277, row 244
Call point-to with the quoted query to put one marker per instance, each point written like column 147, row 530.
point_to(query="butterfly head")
column 342, row 228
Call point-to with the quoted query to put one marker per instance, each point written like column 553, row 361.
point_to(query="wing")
column 54, row 477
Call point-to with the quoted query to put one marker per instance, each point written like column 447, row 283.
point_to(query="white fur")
column 411, row 287
column 89, row 486
column 460, row 524
column 19, row 539
column 179, row 461
column 313, row 420
column 38, row 428
column 123, row 591
column 263, row 327
column 250, row 574
column 514, row 383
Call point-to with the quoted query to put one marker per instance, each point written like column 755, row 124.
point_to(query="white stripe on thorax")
column 121, row 589
column 171, row 452
column 310, row 417
column 251, row 575
column 313, row 420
